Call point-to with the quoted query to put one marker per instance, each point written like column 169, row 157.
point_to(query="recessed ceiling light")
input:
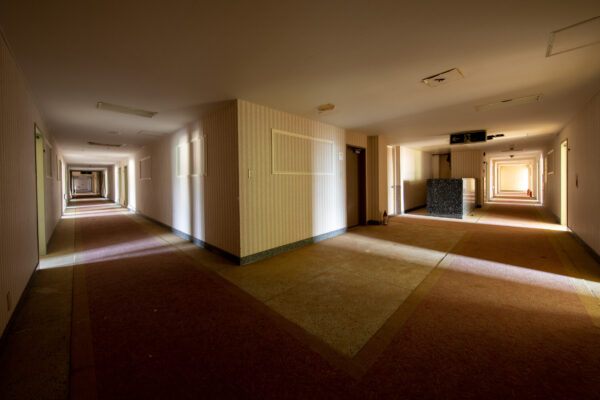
column 125, row 110
column 573, row 37
column 442, row 78
column 510, row 102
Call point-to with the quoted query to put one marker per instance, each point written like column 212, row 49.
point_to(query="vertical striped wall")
column 373, row 178
column 204, row 206
column 221, row 189
column 468, row 164
column 277, row 209
column 18, row 212
column 377, row 184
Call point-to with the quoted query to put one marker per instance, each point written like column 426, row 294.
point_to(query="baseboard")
column 200, row 243
column 17, row 308
column 373, row 222
column 587, row 247
column 286, row 247
column 250, row 258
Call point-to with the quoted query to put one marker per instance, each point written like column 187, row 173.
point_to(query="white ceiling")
column 182, row 58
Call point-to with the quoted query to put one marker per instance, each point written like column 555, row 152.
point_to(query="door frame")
column 362, row 183
column 40, row 188
column 564, row 182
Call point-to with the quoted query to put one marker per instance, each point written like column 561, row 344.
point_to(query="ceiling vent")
column 442, row 78
column 125, row 110
column 510, row 102
column 582, row 34
column 511, row 148
column 105, row 144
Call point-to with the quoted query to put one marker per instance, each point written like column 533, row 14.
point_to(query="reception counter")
column 451, row 198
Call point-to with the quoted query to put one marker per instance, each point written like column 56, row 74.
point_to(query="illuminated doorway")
column 563, row 183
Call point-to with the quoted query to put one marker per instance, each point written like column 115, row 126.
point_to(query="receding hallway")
column 299, row 199
column 509, row 303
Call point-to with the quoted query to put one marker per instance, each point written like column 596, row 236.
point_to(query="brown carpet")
column 503, row 321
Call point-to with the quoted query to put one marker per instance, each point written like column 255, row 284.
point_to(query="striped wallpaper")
column 182, row 189
column 279, row 209
column 468, row 164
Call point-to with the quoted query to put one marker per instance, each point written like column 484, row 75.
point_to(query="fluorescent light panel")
column 125, row 110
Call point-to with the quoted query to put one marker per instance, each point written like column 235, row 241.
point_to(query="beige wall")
column 583, row 135
column 203, row 204
column 18, row 229
column 277, row 209
column 468, row 164
column 272, row 178
column 514, row 178
column 415, row 169
column 377, row 182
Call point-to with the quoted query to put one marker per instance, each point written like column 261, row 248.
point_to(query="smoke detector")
column 442, row 78
column 125, row 110
column 325, row 108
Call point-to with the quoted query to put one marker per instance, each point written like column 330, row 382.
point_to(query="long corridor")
column 506, row 305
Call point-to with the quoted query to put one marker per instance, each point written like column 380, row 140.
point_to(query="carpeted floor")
column 501, row 317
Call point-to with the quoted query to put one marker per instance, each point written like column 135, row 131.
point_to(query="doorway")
column 356, row 190
column 563, row 183
column 125, row 184
column 40, row 178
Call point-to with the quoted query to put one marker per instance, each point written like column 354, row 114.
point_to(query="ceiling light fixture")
column 582, row 34
column 125, row 110
column 442, row 78
column 510, row 102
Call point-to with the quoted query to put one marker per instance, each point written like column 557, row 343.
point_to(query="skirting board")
column 250, row 258
column 277, row 250
column 587, row 247
column 200, row 243
column 17, row 308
